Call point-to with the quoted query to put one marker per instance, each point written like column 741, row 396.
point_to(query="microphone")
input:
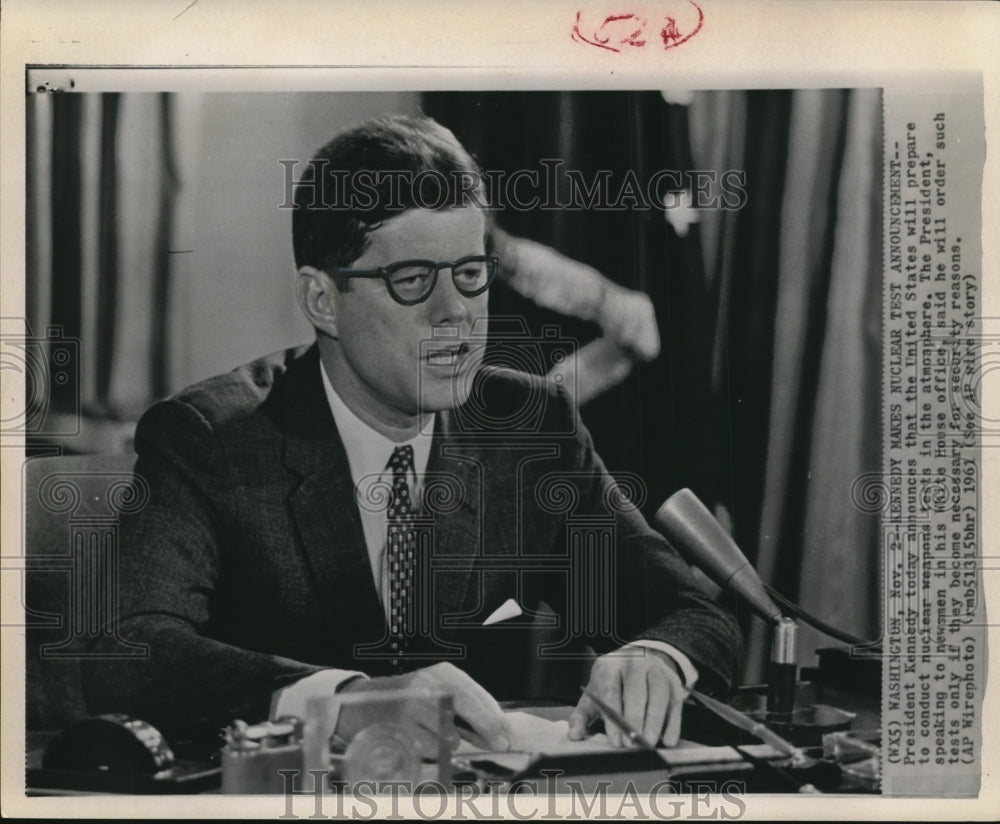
column 693, row 531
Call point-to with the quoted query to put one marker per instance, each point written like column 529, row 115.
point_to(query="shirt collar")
column 368, row 451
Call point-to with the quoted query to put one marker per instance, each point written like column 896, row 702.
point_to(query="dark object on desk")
column 783, row 673
column 117, row 753
column 837, row 668
column 184, row 778
column 804, row 727
column 635, row 768
column 625, row 761
column 118, row 743
column 815, row 775
column 754, row 726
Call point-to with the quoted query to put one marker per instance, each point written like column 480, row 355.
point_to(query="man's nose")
column 447, row 304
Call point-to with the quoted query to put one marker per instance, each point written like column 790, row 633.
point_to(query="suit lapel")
column 329, row 525
column 323, row 505
column 458, row 533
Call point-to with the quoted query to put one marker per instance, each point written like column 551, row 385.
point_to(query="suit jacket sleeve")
column 169, row 567
column 655, row 595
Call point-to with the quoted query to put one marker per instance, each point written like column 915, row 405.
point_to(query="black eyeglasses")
column 412, row 281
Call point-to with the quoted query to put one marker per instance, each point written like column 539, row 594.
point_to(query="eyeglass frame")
column 386, row 272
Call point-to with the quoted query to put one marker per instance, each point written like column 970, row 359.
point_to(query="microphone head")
column 693, row 531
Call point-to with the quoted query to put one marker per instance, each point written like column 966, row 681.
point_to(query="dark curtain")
column 658, row 421
column 768, row 314
column 102, row 184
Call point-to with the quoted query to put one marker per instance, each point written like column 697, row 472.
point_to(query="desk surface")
column 865, row 708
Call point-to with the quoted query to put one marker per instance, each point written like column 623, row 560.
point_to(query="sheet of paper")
column 533, row 735
column 529, row 733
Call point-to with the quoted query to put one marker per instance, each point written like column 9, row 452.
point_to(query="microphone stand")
column 697, row 535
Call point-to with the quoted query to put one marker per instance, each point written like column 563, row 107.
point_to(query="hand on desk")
column 473, row 704
column 647, row 690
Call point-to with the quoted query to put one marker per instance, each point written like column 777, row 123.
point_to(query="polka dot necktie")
column 400, row 550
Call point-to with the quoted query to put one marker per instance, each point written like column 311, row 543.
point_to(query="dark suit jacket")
column 247, row 569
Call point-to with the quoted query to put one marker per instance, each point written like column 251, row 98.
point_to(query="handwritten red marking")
column 610, row 28
column 617, row 31
column 670, row 33
column 672, row 37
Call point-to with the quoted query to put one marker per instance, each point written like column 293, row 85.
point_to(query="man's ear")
column 316, row 292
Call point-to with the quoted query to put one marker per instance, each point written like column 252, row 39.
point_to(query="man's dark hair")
column 346, row 190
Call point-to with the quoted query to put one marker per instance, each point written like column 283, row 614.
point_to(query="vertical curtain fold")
column 805, row 224
column 92, row 216
column 101, row 193
column 65, row 310
column 822, row 429
column 38, row 212
column 169, row 184
column 718, row 123
column 748, row 334
column 181, row 146
column 107, row 256
column 840, row 543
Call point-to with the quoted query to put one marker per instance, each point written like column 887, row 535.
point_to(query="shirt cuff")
column 688, row 671
column 294, row 699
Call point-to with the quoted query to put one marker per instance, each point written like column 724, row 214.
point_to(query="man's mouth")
column 447, row 355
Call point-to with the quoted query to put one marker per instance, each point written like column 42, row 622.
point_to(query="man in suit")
column 359, row 514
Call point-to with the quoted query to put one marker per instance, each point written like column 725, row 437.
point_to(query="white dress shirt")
column 368, row 453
